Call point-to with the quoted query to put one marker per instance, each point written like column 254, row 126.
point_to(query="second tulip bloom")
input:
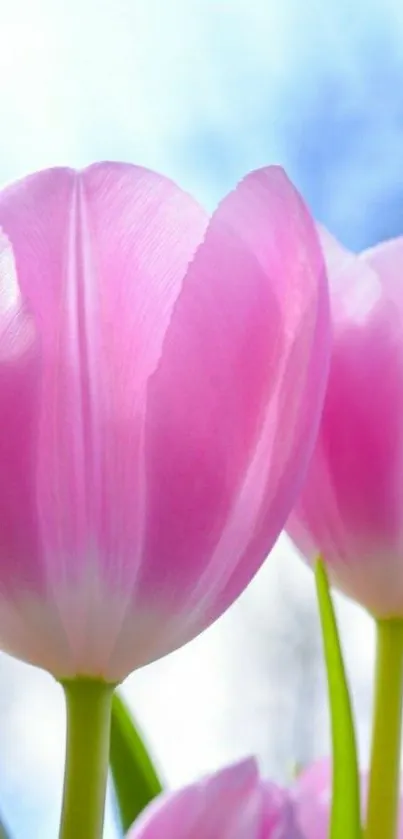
column 351, row 507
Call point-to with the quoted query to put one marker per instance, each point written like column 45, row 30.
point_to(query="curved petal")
column 253, row 304
column 350, row 507
column 354, row 286
column 279, row 817
column 232, row 408
column 100, row 259
column 287, row 373
column 386, row 259
column 227, row 804
column 312, row 797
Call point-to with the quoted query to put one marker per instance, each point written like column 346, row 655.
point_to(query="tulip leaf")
column 134, row 776
column 345, row 822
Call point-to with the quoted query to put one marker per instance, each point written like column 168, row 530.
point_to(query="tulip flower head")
column 235, row 803
column 161, row 379
column 351, row 507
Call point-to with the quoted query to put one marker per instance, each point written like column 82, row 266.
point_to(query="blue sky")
column 203, row 90
column 206, row 89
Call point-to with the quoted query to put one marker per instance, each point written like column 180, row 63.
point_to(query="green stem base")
column 88, row 705
column 384, row 781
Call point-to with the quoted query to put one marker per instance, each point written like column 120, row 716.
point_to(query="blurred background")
column 205, row 90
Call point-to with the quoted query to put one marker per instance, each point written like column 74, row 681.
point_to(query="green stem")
column 345, row 815
column 88, row 704
column 384, row 781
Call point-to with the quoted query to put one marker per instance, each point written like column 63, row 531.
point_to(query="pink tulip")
column 236, row 803
column 312, row 798
column 351, row 507
column 232, row 804
column 161, row 379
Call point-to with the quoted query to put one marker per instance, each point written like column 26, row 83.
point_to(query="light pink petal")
column 100, row 258
column 386, row 259
column 353, row 285
column 279, row 817
column 312, row 797
column 228, row 805
column 245, row 357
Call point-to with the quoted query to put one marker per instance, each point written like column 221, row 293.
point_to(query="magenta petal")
column 350, row 509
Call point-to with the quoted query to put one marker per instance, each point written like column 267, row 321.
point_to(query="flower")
column 234, row 803
column 351, row 507
column 161, row 380
column 312, row 798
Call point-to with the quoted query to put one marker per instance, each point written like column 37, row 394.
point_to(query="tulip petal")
column 100, row 258
column 350, row 508
column 312, row 797
column 228, row 804
column 386, row 260
column 245, row 355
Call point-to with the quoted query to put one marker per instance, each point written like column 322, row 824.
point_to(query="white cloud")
column 130, row 79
